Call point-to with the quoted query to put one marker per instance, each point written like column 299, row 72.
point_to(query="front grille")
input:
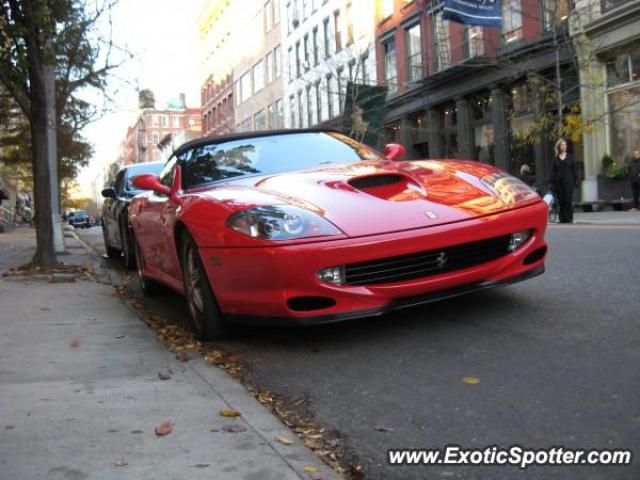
column 425, row 264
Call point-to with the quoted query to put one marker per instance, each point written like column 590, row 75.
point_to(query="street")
column 556, row 358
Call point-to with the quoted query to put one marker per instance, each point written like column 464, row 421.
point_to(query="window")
column 325, row 35
column 348, row 13
column 289, row 17
column 387, row 9
column 390, row 70
column 168, row 171
column 260, row 121
column 309, row 107
column 441, row 41
column 245, row 87
column 238, row 90
column 300, row 110
column 276, row 113
column 364, row 65
column 268, row 16
column 291, row 62
column 625, row 68
column 511, row 21
column 277, row 59
column 268, row 65
column 318, row 101
column 298, row 59
column 155, row 138
column 329, row 96
column 292, row 111
column 258, row 77
column 176, row 121
column 316, row 53
column 473, row 44
column 276, row 12
column 305, row 9
column 154, row 120
column 271, row 154
column 307, row 53
column 337, row 30
column 341, row 88
column 555, row 12
column 413, row 43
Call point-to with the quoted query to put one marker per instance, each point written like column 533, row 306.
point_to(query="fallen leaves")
column 235, row 428
column 356, row 472
column 121, row 463
column 165, row 428
column 471, row 380
column 284, row 440
column 74, row 343
column 229, row 412
column 310, row 469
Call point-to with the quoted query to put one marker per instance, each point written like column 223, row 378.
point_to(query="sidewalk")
column 607, row 218
column 81, row 394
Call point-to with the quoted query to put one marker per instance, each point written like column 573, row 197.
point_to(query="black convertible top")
column 240, row 135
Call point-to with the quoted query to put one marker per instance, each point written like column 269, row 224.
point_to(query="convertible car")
column 310, row 226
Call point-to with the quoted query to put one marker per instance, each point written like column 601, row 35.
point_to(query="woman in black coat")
column 564, row 177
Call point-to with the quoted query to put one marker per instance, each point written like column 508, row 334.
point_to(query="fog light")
column 334, row 275
column 518, row 239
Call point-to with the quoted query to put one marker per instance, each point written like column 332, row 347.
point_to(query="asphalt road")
column 557, row 359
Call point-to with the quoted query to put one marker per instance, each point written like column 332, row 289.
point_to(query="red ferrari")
column 310, row 226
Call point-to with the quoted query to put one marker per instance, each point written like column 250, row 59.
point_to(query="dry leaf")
column 234, row 428
column 310, row 469
column 74, row 343
column 284, row 440
column 121, row 463
column 356, row 472
column 164, row 429
column 471, row 380
column 229, row 412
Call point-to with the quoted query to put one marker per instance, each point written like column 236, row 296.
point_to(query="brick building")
column 467, row 92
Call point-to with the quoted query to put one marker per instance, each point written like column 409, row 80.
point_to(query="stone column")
column 501, row 128
column 434, row 124
column 465, row 133
column 405, row 138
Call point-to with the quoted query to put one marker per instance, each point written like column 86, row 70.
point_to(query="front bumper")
column 258, row 284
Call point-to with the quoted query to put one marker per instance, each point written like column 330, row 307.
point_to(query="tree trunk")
column 45, row 252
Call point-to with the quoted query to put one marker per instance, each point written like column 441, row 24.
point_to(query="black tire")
column 111, row 252
column 149, row 287
column 206, row 318
column 128, row 255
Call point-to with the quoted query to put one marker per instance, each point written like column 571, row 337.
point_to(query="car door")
column 168, row 217
column 152, row 230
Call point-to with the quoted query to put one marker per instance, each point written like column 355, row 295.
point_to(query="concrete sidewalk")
column 80, row 397
column 607, row 218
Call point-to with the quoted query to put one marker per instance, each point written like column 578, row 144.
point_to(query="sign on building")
column 487, row 13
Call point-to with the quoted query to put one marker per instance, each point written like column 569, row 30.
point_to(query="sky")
column 162, row 36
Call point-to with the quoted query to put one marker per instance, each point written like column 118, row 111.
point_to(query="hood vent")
column 374, row 181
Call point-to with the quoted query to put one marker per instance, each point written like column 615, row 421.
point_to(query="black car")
column 114, row 219
column 79, row 219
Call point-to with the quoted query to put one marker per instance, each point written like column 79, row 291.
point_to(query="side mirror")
column 393, row 151
column 149, row 181
column 109, row 192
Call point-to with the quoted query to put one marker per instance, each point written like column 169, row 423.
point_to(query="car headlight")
column 509, row 189
column 281, row 222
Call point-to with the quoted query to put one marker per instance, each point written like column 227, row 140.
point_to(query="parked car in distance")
column 79, row 219
column 114, row 217
column 311, row 226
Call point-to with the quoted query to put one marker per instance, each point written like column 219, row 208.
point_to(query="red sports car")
column 310, row 226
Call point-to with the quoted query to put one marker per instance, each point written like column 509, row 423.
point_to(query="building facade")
column 326, row 44
column 257, row 69
column 606, row 36
column 475, row 92
column 217, row 23
column 148, row 139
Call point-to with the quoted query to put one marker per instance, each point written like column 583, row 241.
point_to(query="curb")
column 263, row 422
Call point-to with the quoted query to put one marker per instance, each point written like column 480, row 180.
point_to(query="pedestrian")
column 634, row 175
column 564, row 178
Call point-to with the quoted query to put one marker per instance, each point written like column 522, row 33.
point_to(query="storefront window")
column 555, row 12
column 511, row 21
column 624, row 106
column 522, row 152
column 484, row 139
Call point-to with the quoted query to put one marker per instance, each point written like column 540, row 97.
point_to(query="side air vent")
column 374, row 181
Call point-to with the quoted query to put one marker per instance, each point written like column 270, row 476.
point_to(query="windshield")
column 272, row 154
column 136, row 170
